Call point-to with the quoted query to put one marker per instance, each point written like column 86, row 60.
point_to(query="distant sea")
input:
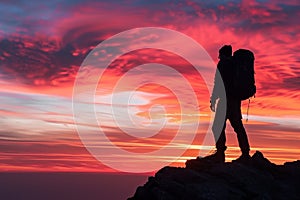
column 68, row 186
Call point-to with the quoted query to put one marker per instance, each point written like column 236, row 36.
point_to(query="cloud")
column 46, row 156
column 42, row 47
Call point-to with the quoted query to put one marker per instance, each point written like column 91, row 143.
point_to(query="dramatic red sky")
column 42, row 46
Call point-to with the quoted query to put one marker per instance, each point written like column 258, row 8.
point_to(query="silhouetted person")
column 228, row 106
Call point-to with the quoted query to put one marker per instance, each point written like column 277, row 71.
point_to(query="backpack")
column 244, row 81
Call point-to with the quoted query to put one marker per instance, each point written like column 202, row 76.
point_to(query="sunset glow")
column 43, row 46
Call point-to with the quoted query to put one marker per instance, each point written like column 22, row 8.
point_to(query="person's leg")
column 218, row 129
column 241, row 135
column 220, row 138
column 219, row 126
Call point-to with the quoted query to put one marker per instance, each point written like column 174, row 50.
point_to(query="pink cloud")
column 46, row 62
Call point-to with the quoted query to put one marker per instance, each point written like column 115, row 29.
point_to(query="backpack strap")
column 248, row 110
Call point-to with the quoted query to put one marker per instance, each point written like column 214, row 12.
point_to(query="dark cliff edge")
column 256, row 179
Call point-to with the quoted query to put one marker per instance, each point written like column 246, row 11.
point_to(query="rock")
column 257, row 179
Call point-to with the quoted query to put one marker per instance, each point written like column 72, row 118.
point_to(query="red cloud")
column 47, row 62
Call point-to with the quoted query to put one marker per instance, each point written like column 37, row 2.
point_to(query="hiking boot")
column 217, row 157
column 244, row 158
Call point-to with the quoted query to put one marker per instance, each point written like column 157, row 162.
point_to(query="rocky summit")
column 256, row 178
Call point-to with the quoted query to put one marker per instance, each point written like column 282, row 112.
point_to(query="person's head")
column 226, row 51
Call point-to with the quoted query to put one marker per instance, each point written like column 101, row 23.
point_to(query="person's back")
column 226, row 69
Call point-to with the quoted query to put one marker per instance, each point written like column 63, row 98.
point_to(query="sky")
column 137, row 103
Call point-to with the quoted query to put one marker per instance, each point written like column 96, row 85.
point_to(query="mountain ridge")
column 258, row 178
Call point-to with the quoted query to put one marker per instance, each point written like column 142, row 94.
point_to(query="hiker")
column 228, row 107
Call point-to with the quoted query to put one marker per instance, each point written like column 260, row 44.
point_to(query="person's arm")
column 215, row 93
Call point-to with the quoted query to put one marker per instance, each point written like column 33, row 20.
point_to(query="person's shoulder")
column 229, row 58
column 226, row 60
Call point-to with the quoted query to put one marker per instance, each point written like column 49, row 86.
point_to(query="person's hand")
column 212, row 105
